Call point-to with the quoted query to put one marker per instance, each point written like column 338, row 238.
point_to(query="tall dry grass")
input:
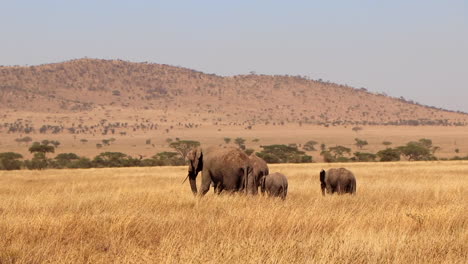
column 402, row 213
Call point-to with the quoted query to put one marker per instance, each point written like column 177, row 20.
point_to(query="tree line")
column 423, row 149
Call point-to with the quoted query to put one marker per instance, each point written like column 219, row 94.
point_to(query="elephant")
column 259, row 166
column 337, row 180
column 227, row 168
column 275, row 184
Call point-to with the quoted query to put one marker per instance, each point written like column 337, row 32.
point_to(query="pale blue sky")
column 412, row 48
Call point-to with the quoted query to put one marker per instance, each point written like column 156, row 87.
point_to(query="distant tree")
column 389, row 154
column 41, row 148
column 114, row 159
column 323, row 147
column 360, row 143
column 457, row 150
column 63, row 160
column 83, row 141
column 240, row 142
column 168, row 159
column 327, row 156
column 416, row 151
column 26, row 140
column 427, row 143
column 55, row 143
column 105, row 142
column 339, row 151
column 168, row 140
column 255, row 140
column 9, row 161
column 184, row 146
column 283, row 154
column 310, row 145
column 148, row 142
column 356, row 129
column 364, row 157
column 38, row 162
column 227, row 140
column 386, row 143
column 98, row 145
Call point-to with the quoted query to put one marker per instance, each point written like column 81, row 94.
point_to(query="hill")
column 190, row 97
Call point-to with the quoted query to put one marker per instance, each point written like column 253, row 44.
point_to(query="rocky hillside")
column 89, row 84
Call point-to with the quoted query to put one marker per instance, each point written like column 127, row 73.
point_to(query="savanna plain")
column 404, row 212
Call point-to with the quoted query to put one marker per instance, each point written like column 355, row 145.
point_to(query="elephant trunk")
column 322, row 181
column 193, row 184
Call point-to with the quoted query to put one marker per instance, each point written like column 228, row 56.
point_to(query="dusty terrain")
column 82, row 102
column 402, row 213
column 191, row 97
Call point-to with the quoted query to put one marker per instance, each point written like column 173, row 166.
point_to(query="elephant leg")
column 285, row 192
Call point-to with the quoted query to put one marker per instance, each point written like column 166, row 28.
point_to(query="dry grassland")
column 402, row 213
column 447, row 138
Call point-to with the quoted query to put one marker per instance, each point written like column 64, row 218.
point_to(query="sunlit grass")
column 402, row 213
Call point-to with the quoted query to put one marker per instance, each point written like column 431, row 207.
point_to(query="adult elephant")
column 227, row 168
column 337, row 180
column 259, row 167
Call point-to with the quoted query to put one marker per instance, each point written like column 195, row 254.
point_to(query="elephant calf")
column 337, row 180
column 275, row 184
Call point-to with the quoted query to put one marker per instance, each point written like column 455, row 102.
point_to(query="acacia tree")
column 184, row 146
column 416, row 151
column 41, row 148
column 240, row 142
column 39, row 161
column 310, row 145
column 360, row 143
column 357, row 129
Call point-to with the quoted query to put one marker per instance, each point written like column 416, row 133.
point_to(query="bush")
column 9, row 161
column 168, row 159
column 283, row 154
column 364, row 157
column 389, row 154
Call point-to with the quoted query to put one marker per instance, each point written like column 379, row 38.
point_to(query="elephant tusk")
column 185, row 179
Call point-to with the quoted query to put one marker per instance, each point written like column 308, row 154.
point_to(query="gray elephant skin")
column 260, row 168
column 275, row 184
column 337, row 180
column 227, row 168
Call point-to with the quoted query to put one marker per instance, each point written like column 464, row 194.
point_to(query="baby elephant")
column 337, row 180
column 275, row 184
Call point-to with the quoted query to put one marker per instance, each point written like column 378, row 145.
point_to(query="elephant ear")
column 322, row 176
column 196, row 158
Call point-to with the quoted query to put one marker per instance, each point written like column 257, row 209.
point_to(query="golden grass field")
column 402, row 213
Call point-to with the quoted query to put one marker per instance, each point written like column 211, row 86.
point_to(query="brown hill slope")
column 183, row 94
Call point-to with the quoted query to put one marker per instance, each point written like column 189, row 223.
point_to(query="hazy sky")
column 416, row 49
